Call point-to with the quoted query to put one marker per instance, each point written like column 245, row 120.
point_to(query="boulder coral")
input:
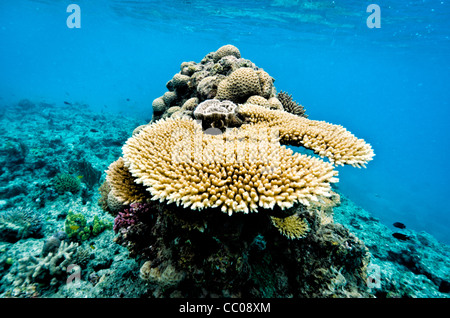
column 225, row 208
column 242, row 83
column 227, row 50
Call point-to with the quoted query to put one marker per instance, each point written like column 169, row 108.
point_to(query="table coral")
column 327, row 140
column 233, row 171
column 122, row 185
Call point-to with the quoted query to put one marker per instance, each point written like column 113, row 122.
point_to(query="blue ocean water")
column 388, row 85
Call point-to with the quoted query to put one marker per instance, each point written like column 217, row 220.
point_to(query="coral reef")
column 200, row 253
column 171, row 238
column 291, row 247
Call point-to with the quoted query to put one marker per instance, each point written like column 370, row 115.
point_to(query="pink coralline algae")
column 130, row 215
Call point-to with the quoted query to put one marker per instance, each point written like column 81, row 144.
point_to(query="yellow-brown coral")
column 113, row 203
column 239, row 85
column 327, row 140
column 239, row 171
column 266, row 83
column 274, row 103
column 258, row 100
column 293, row 226
column 122, row 184
column 190, row 104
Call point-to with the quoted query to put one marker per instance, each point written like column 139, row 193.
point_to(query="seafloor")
column 44, row 142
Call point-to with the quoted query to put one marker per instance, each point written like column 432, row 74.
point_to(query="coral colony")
column 209, row 197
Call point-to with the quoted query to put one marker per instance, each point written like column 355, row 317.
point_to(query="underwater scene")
column 194, row 149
